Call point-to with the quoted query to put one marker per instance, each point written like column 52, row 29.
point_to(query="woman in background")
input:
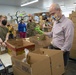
column 11, row 30
column 22, row 29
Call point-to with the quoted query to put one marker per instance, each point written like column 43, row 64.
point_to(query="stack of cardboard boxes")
column 39, row 62
column 73, row 49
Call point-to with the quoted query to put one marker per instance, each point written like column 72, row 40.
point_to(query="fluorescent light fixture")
column 74, row 3
column 62, row 6
column 29, row 3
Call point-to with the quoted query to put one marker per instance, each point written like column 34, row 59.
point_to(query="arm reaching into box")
column 4, row 43
column 1, row 41
column 50, row 34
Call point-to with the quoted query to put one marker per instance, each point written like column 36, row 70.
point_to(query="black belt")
column 53, row 47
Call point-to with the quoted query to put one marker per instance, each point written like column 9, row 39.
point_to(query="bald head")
column 54, row 6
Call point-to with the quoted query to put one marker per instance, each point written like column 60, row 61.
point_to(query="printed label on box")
column 3, row 48
column 26, row 69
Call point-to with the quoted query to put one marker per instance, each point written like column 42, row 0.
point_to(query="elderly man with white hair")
column 62, row 32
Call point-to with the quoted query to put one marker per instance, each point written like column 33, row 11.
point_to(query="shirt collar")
column 61, row 20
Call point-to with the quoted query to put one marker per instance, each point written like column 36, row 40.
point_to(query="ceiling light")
column 62, row 6
column 29, row 3
column 74, row 3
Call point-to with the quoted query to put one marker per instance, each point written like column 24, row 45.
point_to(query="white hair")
column 57, row 7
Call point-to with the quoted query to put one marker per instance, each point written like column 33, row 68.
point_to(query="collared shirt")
column 62, row 34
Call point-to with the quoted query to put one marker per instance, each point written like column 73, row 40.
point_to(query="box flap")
column 42, row 67
column 19, row 43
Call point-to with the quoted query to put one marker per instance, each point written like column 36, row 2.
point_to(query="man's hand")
column 44, row 33
column 63, row 51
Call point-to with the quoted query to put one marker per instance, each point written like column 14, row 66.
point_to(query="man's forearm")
column 48, row 34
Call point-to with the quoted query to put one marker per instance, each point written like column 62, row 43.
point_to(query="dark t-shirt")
column 3, row 33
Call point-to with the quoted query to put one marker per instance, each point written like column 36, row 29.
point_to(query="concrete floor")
column 71, row 68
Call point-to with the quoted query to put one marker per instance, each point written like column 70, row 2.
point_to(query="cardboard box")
column 38, row 64
column 73, row 54
column 17, row 46
column 39, row 43
column 73, row 46
column 74, row 24
column 73, row 14
column 3, row 50
column 56, row 60
column 70, row 16
column 73, row 19
column 73, row 50
column 74, row 43
column 16, row 71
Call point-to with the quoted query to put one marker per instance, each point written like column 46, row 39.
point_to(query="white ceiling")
column 42, row 4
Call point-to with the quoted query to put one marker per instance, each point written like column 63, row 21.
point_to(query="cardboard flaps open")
column 56, row 59
column 47, row 52
column 35, row 64
column 32, row 58
column 18, row 43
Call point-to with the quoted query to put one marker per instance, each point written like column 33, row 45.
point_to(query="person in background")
column 22, row 29
column 3, row 33
column 10, row 29
column 47, row 25
column 0, row 19
column 62, row 32
column 31, row 27
column 4, row 17
column 37, row 19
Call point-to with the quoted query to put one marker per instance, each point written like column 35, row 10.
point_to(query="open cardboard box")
column 39, row 64
column 40, row 41
column 56, row 60
column 17, row 46
column 17, row 71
